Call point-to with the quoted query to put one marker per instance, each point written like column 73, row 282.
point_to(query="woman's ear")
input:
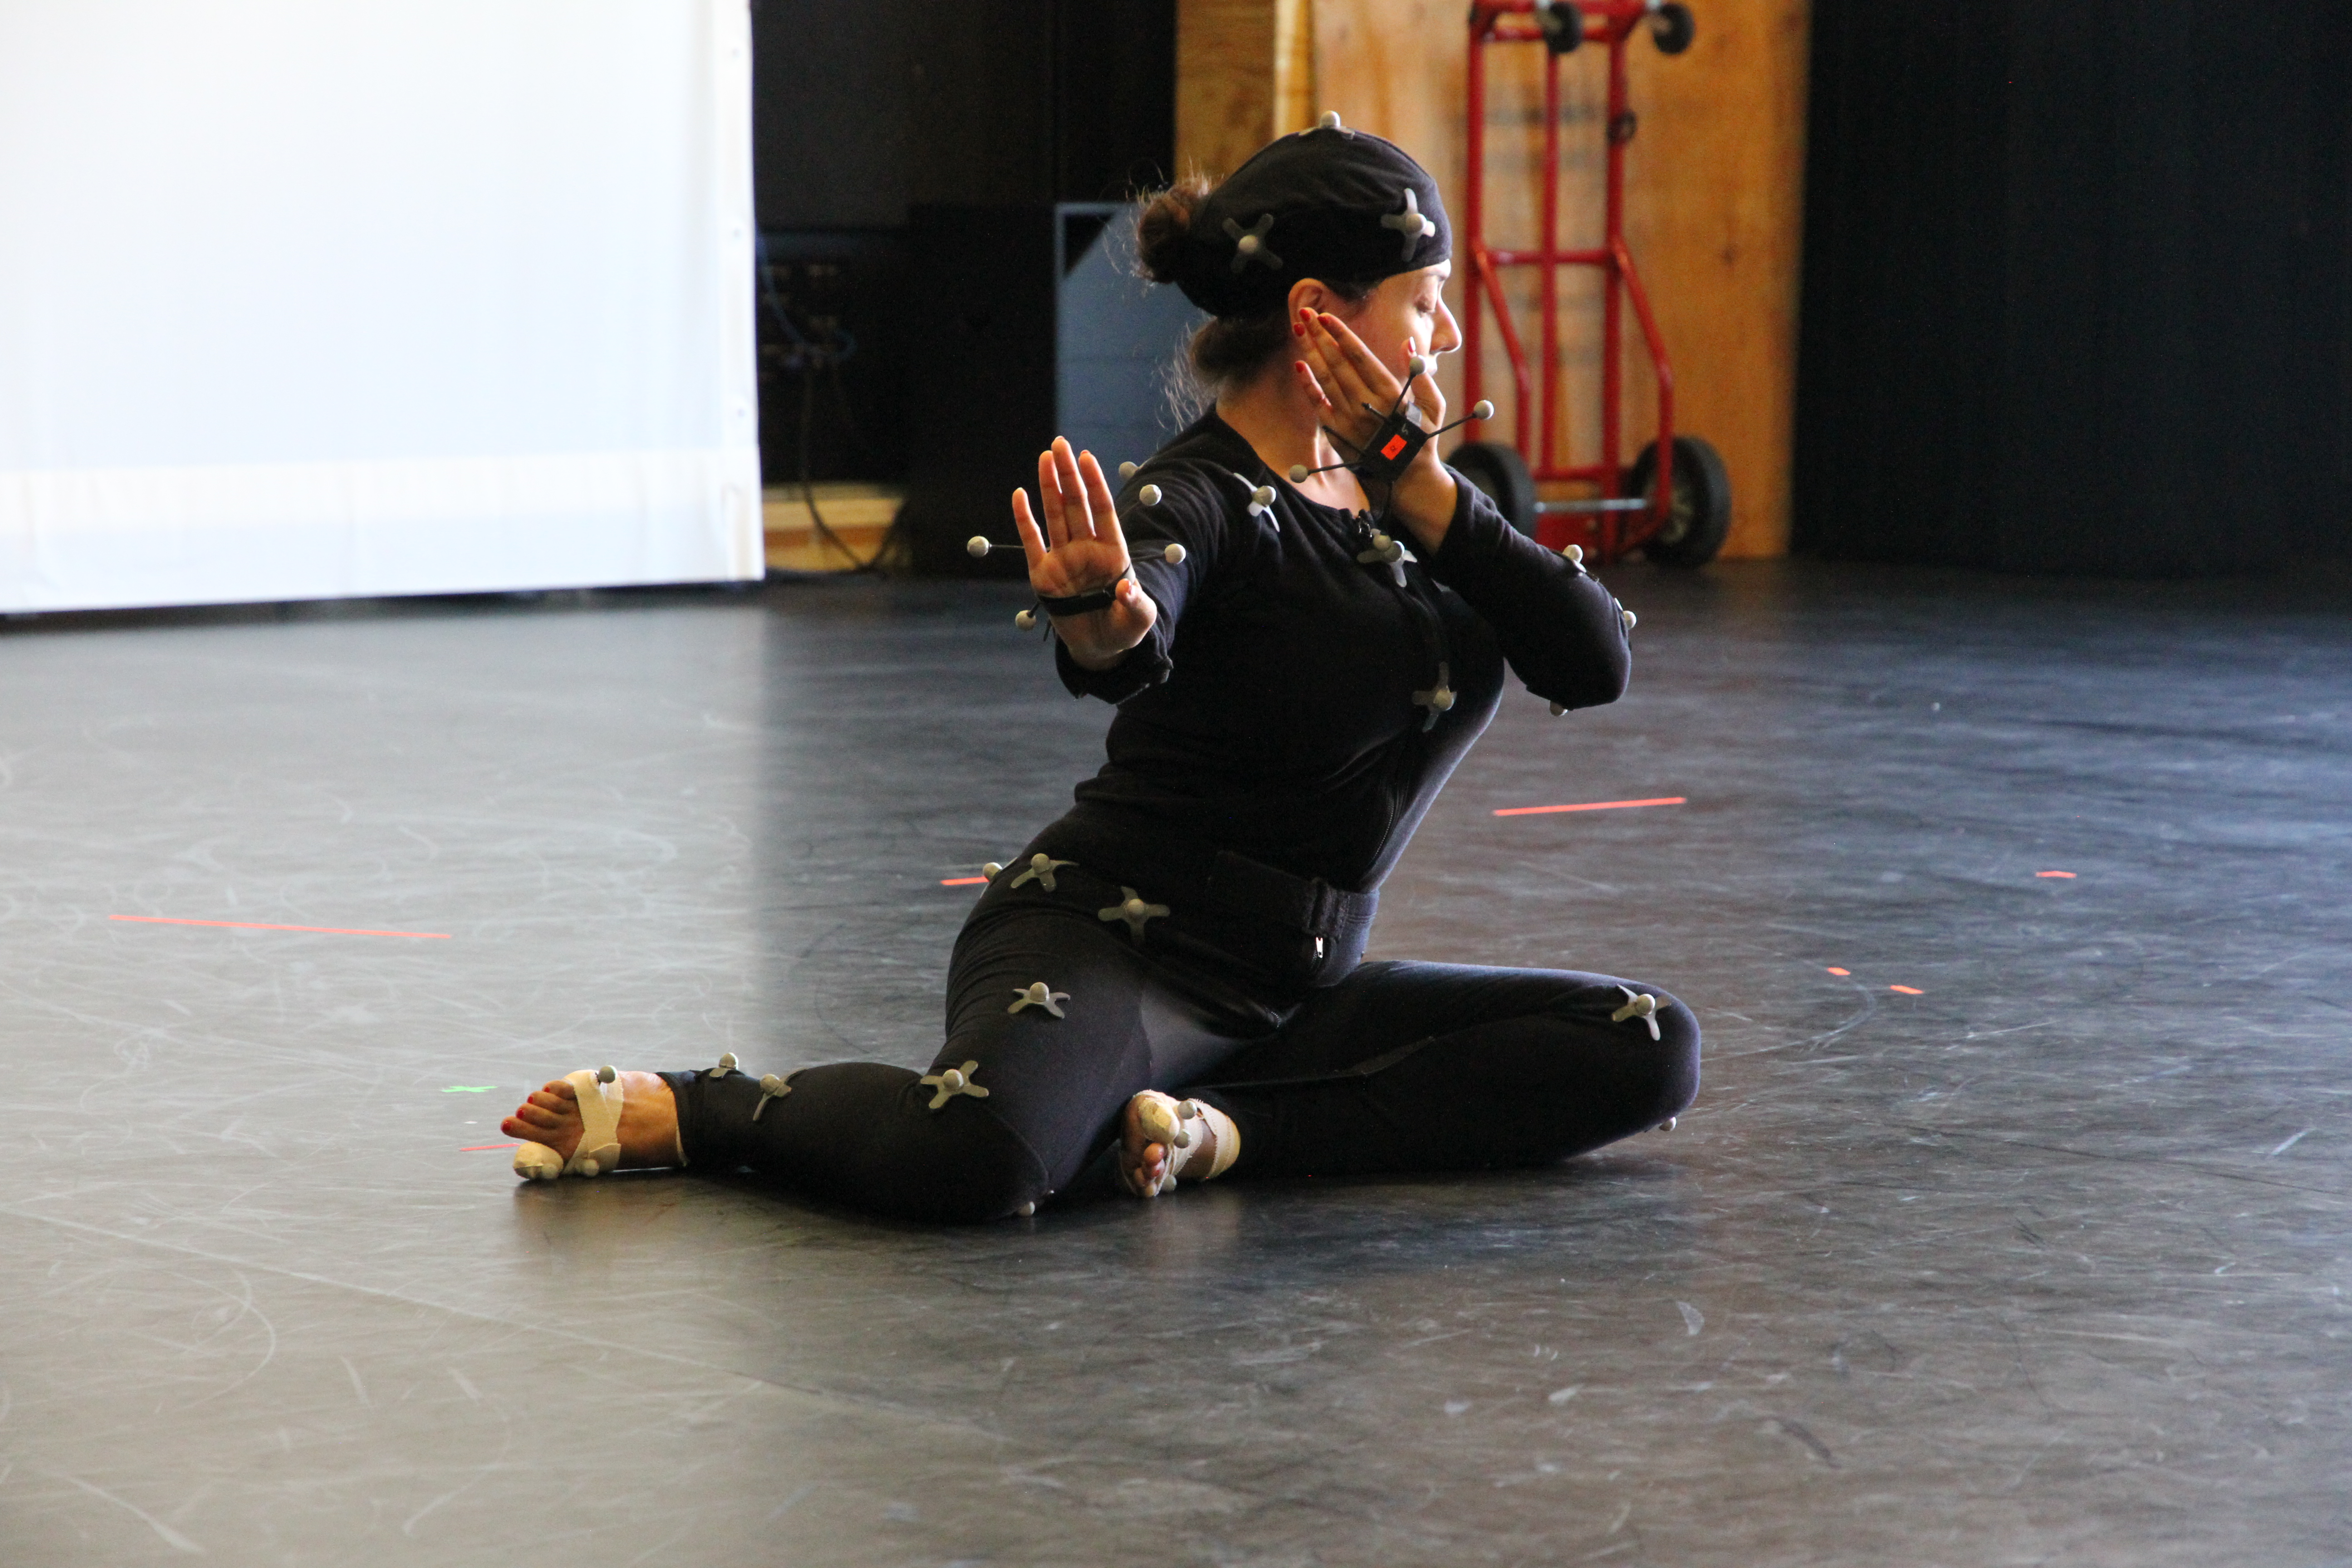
column 1309, row 294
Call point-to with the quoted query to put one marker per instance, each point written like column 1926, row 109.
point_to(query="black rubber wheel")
column 1674, row 26
column 1701, row 514
column 1562, row 25
column 1502, row 474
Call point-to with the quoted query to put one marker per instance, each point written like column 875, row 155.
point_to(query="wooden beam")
column 1245, row 74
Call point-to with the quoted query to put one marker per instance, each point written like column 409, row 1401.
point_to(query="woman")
column 1295, row 683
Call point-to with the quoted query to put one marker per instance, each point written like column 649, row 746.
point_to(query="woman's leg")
column 1042, row 1081
column 1422, row 1066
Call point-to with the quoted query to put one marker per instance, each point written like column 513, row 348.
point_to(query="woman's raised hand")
column 1352, row 391
column 1078, row 549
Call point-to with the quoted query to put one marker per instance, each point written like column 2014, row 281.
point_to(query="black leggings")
column 1398, row 1066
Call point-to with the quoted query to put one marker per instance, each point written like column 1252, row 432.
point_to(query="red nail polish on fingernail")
column 1297, row 331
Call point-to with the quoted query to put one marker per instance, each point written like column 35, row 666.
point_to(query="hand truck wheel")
column 1701, row 514
column 1562, row 25
column 1501, row 474
column 1673, row 27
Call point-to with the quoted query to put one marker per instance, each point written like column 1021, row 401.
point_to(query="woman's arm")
column 1562, row 631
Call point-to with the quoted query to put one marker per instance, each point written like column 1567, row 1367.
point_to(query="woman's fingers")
column 1049, row 501
column 1076, row 516
column 1360, row 371
column 1032, row 540
column 1102, row 505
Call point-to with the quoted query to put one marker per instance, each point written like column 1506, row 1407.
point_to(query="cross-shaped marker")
column 1042, row 868
column 1134, row 911
column 1638, row 1004
column 1040, row 995
column 952, row 1083
column 1411, row 224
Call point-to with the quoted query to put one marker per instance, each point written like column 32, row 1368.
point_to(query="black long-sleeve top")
column 1281, row 707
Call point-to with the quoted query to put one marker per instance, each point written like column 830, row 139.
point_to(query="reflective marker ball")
column 1418, row 365
column 1174, row 555
column 976, row 545
column 1126, row 472
column 1298, row 473
column 1482, row 409
column 1149, row 495
column 1026, row 620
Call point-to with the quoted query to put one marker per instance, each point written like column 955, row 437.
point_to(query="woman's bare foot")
column 1144, row 1158
column 648, row 1131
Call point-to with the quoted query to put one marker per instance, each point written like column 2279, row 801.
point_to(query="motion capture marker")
column 1249, row 244
column 1438, row 699
column 1299, row 472
column 1026, row 620
column 1134, row 911
column 1638, row 1004
column 1149, row 495
column 1410, row 222
column 952, row 1083
column 1419, row 364
column 1384, row 550
column 1575, row 553
column 976, row 546
column 725, row 1065
column 1590, row 806
column 1042, row 868
column 989, row 869
column 1631, row 620
column 1557, row 709
column 1039, row 995
column 1670, row 1123
column 1261, row 501
column 1126, row 472
column 1907, row 990
column 1026, row 1210
column 771, row 1088
column 1174, row 555
column 1331, row 121
column 1482, row 409
column 605, row 1075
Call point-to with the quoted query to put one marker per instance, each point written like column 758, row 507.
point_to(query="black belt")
column 1207, row 886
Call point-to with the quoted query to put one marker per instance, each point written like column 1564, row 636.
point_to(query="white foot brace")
column 1176, row 1125
column 599, row 1089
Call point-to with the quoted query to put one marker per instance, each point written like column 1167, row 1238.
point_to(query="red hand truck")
column 1674, row 503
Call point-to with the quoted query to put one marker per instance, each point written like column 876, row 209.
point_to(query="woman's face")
column 1406, row 315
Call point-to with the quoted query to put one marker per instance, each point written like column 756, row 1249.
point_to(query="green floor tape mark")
column 469, row 1088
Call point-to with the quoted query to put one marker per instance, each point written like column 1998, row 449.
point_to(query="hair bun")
column 1165, row 224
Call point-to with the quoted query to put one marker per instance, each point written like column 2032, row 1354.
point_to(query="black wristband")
column 1082, row 604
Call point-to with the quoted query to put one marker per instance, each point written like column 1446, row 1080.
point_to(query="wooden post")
column 1245, row 74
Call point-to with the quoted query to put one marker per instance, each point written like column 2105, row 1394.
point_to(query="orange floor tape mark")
column 962, row 881
column 1834, row 969
column 2068, row 875
column 262, row 925
column 1907, row 990
column 484, row 1148
column 1591, row 805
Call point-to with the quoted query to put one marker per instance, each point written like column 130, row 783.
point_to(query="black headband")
column 1342, row 206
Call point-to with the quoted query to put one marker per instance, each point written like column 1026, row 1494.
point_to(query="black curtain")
column 2076, row 285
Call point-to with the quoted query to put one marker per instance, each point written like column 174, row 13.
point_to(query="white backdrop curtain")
column 309, row 298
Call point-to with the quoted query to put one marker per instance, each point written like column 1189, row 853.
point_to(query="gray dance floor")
column 2009, row 1227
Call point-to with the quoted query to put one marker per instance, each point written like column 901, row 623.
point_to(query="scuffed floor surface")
column 2010, row 1226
